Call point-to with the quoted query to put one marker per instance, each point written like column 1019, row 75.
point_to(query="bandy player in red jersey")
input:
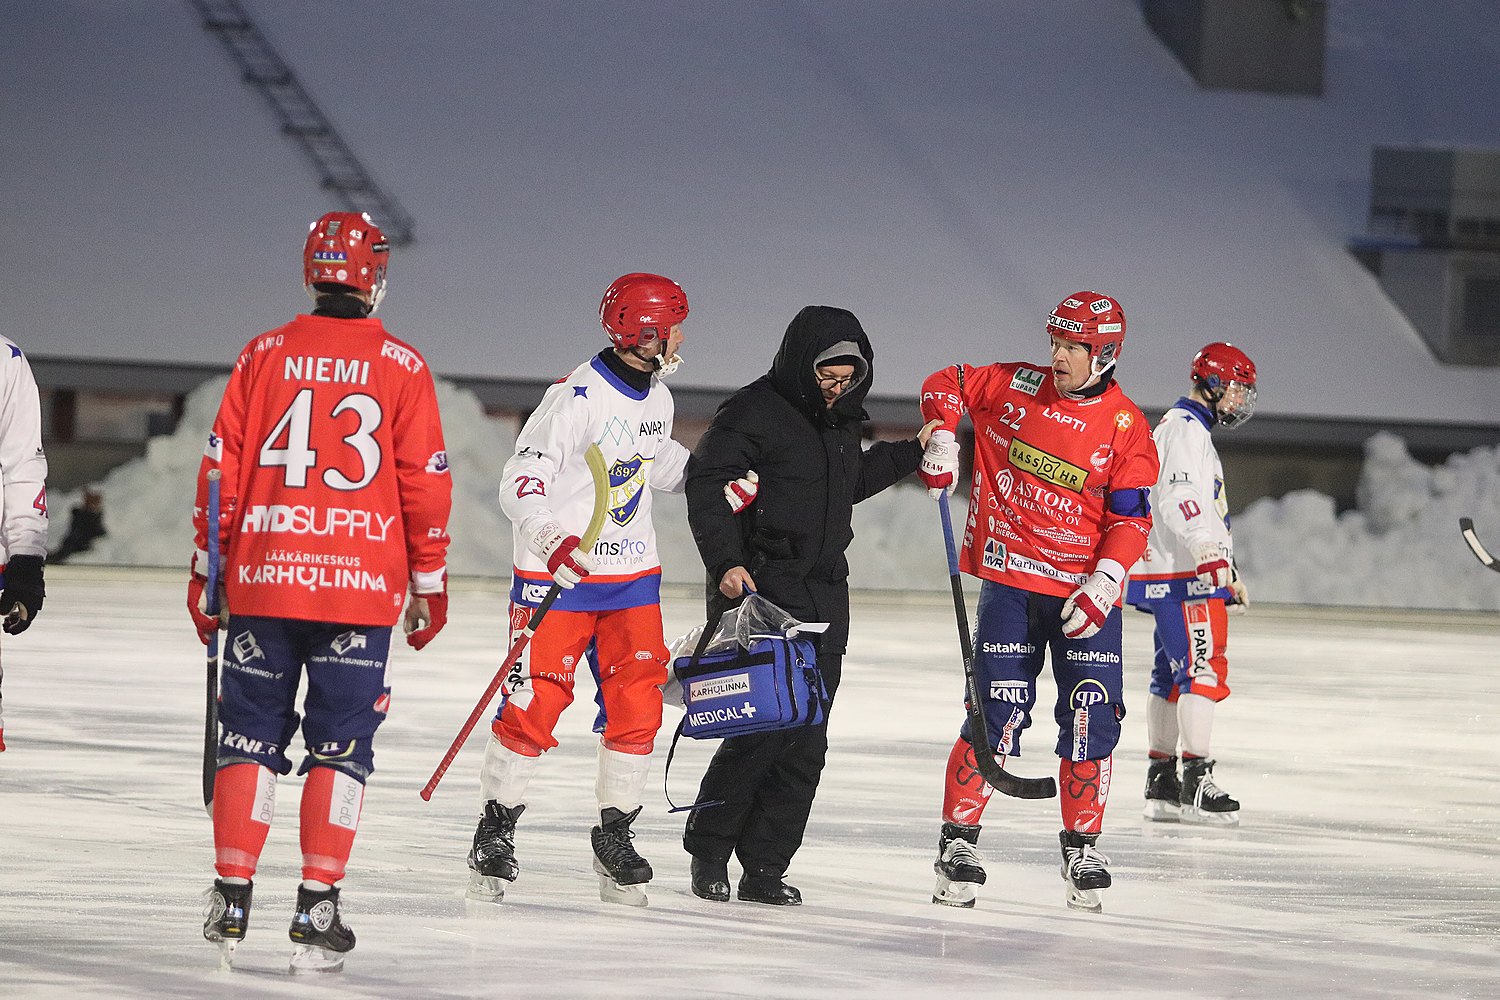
column 1063, row 465
column 335, row 499
column 609, row 612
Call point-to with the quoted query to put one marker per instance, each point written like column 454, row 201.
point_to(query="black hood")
column 819, row 335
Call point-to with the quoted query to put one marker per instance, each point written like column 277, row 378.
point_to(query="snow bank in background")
column 1400, row 548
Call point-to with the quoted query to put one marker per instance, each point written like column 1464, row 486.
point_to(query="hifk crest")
column 627, row 482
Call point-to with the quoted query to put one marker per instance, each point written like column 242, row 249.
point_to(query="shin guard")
column 331, row 800
column 244, row 803
column 1083, row 791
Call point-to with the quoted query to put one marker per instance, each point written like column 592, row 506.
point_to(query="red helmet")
column 346, row 248
column 639, row 302
column 1094, row 319
column 1226, row 377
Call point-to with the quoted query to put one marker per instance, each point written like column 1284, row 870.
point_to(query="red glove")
column 1085, row 612
column 741, row 493
column 1213, row 564
column 420, row 628
column 203, row 622
column 565, row 562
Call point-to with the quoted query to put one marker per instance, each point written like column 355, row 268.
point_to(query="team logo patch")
column 1123, row 420
column 1027, row 380
column 1047, row 466
column 627, row 484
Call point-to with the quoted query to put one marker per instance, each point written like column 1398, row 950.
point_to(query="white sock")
column 315, row 885
column 1195, row 716
column 1161, row 726
column 622, row 779
column 505, row 774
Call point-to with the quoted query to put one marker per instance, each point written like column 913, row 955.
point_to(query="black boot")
column 959, row 869
column 319, row 932
column 711, row 879
column 227, row 916
column 1083, row 868
column 1163, row 790
column 761, row 886
column 1203, row 801
column 613, row 850
column 494, row 850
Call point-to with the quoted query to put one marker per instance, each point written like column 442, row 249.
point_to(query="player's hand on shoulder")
column 741, row 493
column 939, row 468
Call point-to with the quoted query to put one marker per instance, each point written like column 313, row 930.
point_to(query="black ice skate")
column 318, row 932
column 227, row 917
column 1204, row 802
column 621, row 870
column 1163, row 791
column 960, row 871
column 492, row 859
column 760, row 885
column 711, row 879
column 1083, row 869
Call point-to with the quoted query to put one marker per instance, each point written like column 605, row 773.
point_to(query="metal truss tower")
column 301, row 119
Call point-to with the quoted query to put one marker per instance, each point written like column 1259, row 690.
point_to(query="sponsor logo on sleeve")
column 438, row 463
column 403, row 356
column 1123, row 420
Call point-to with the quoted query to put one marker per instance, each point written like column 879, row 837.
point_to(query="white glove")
column 567, row 563
column 741, row 493
column 1213, row 563
column 1241, row 602
column 939, row 468
column 1085, row 612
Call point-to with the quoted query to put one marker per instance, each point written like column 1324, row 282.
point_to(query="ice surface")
column 1357, row 741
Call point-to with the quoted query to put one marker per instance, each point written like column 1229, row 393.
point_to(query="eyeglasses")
column 834, row 381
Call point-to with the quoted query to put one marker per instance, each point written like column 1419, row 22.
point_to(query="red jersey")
column 1047, row 469
column 335, row 485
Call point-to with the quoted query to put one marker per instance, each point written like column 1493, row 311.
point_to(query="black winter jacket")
column 812, row 473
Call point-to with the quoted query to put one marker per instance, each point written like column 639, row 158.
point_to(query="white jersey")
column 547, row 479
column 1188, row 507
column 23, row 464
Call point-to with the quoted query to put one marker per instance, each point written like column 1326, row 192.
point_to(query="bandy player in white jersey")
column 1185, row 579
column 612, row 594
column 23, row 495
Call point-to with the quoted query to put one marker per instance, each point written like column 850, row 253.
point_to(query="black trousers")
column 766, row 782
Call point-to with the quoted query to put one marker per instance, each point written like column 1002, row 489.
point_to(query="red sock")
column 244, row 802
column 1084, row 789
column 965, row 792
column 331, row 801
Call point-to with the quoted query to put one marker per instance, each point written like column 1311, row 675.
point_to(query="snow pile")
column 1400, row 548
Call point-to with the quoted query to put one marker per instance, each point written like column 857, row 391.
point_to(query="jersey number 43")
column 289, row 444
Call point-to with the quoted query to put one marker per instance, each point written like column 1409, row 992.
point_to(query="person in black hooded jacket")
column 788, row 445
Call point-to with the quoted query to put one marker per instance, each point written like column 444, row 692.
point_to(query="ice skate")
column 226, row 918
column 492, row 859
column 318, row 932
column 711, row 879
column 1163, row 791
column 1204, row 802
column 621, row 870
column 1083, row 869
column 960, row 871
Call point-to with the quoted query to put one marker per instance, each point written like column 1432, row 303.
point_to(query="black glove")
column 22, row 597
